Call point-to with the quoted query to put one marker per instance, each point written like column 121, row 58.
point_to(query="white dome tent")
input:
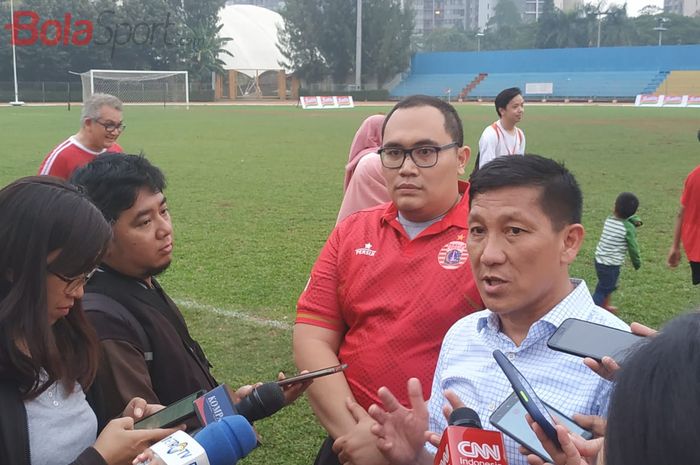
column 254, row 70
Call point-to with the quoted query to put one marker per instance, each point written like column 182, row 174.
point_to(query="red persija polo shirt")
column 393, row 298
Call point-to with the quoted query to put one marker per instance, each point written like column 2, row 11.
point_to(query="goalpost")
column 138, row 86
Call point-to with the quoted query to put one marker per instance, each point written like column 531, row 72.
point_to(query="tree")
column 565, row 29
column 386, row 39
column 505, row 14
column 449, row 40
column 617, row 29
column 318, row 38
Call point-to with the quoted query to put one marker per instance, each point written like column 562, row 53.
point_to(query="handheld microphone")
column 464, row 442
column 224, row 442
column 218, row 403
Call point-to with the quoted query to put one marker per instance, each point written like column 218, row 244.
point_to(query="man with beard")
column 146, row 348
column 123, row 300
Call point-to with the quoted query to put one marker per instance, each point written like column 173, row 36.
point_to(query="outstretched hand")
column 402, row 432
column 358, row 446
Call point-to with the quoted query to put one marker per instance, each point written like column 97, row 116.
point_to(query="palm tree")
column 206, row 47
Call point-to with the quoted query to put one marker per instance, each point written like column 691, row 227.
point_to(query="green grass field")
column 254, row 192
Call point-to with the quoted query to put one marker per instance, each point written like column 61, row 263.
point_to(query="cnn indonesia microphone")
column 224, row 442
column 464, row 442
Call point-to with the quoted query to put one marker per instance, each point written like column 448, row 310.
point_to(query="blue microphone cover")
column 228, row 440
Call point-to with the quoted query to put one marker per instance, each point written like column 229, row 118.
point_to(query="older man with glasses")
column 101, row 125
column 390, row 280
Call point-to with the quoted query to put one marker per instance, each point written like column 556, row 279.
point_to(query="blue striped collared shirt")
column 466, row 366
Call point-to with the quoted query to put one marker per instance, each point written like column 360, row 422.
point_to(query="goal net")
column 138, row 86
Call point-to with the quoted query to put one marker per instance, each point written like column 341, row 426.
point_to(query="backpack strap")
column 94, row 302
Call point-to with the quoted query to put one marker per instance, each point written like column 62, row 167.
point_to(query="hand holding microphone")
column 223, row 442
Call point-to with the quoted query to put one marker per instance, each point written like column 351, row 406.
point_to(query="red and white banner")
column 693, row 101
column 326, row 101
column 648, row 100
column 667, row 101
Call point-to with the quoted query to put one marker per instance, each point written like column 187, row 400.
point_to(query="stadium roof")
column 254, row 33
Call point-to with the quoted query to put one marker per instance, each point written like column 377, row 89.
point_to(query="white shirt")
column 495, row 142
column 466, row 365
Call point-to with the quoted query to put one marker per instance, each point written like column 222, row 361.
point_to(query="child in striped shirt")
column 619, row 237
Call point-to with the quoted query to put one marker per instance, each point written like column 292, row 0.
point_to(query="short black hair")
column 113, row 181
column 453, row 123
column 626, row 205
column 504, row 97
column 561, row 198
column 654, row 405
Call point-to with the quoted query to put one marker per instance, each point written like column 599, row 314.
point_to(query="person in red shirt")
column 101, row 125
column 390, row 281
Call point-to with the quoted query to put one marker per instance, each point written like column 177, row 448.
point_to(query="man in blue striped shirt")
column 524, row 232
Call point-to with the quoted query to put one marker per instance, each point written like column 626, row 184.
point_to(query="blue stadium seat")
column 584, row 73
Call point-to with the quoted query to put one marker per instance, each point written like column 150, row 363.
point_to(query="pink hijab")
column 368, row 139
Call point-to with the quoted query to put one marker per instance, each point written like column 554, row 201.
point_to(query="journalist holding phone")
column 51, row 239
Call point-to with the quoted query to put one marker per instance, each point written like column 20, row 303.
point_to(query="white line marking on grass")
column 233, row 314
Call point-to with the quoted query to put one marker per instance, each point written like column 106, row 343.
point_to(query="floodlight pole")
column 16, row 102
column 479, row 35
column 358, row 47
column 660, row 27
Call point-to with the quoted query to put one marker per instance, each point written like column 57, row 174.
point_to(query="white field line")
column 236, row 314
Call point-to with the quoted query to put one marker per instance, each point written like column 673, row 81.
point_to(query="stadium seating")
column 680, row 83
column 585, row 73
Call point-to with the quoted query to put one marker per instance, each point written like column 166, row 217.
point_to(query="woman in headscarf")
column 364, row 186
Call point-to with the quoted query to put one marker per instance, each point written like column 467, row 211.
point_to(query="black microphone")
column 465, row 417
column 464, row 442
column 264, row 401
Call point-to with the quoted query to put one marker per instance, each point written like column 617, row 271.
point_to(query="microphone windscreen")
column 465, row 417
column 228, row 440
column 262, row 402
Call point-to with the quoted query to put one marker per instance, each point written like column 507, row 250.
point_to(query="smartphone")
column 528, row 398
column 509, row 418
column 586, row 339
column 174, row 414
column 313, row 374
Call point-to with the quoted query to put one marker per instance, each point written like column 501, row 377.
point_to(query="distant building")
column 475, row 14
column 437, row 14
column 682, row 7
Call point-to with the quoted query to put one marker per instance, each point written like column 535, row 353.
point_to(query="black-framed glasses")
column 111, row 127
column 73, row 283
column 425, row 156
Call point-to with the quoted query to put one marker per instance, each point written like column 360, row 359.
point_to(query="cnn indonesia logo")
column 473, row 453
column 30, row 29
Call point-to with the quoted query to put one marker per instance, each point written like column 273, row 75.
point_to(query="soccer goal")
column 138, row 86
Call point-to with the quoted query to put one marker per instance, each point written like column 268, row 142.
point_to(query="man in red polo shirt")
column 100, row 126
column 391, row 280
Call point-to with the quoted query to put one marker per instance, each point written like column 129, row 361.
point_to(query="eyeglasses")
column 111, row 127
column 425, row 156
column 72, row 284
